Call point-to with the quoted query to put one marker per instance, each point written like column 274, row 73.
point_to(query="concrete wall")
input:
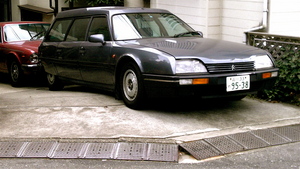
column 285, row 17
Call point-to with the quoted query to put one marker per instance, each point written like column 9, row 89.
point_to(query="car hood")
column 208, row 50
column 27, row 45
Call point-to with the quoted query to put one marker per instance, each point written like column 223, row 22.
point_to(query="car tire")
column 131, row 86
column 54, row 83
column 16, row 74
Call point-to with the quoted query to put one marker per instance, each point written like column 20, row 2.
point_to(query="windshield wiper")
column 38, row 34
column 190, row 32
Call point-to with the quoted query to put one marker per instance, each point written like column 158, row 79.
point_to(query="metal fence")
column 277, row 45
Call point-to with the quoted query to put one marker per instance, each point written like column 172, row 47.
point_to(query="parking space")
column 78, row 112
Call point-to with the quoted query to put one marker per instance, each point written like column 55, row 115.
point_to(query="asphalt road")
column 81, row 113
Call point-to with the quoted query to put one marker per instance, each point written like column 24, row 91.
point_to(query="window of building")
column 5, row 10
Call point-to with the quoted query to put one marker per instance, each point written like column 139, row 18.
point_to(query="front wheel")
column 54, row 83
column 16, row 74
column 131, row 86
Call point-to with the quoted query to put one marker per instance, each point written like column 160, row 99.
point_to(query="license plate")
column 235, row 83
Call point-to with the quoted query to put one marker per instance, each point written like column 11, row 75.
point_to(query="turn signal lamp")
column 201, row 81
column 193, row 81
column 269, row 74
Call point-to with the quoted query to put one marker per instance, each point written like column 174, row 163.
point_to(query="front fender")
column 150, row 61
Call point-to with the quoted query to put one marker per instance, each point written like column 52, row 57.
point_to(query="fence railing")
column 275, row 44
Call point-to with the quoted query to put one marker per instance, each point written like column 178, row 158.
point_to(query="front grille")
column 230, row 67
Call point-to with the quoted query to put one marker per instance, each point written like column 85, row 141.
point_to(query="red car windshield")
column 20, row 32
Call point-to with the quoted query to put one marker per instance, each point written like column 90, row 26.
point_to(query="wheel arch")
column 121, row 62
column 10, row 58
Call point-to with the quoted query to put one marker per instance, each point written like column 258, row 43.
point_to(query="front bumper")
column 30, row 68
column 168, row 86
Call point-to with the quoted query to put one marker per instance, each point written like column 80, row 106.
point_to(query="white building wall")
column 285, row 17
column 193, row 12
column 16, row 12
column 239, row 16
column 218, row 19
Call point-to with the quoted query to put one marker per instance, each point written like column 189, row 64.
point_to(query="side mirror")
column 97, row 38
column 200, row 34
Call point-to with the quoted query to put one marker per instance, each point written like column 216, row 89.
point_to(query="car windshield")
column 19, row 32
column 149, row 25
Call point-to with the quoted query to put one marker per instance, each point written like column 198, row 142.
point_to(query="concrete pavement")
column 82, row 113
column 78, row 112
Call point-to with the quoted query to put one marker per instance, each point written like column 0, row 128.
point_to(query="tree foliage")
column 98, row 2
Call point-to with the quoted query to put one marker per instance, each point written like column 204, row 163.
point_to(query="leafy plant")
column 97, row 2
column 287, row 87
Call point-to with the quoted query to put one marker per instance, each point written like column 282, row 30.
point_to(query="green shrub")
column 287, row 87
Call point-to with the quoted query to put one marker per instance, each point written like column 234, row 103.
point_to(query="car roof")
column 106, row 10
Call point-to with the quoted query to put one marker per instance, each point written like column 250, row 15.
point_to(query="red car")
column 19, row 43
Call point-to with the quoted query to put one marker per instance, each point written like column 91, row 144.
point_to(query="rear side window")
column 78, row 30
column 58, row 31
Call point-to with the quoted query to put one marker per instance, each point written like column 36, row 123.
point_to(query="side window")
column 99, row 26
column 58, row 31
column 78, row 30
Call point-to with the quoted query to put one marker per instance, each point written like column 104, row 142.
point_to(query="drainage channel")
column 166, row 152
column 222, row 145
column 118, row 151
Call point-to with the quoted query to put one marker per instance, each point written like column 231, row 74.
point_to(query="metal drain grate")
column 270, row 137
column 39, row 149
column 68, row 150
column 200, row 149
column 224, row 144
column 289, row 132
column 131, row 151
column 162, row 152
column 11, row 149
column 296, row 127
column 248, row 140
column 100, row 150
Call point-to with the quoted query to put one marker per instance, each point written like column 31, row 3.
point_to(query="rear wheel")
column 16, row 74
column 54, row 83
column 131, row 86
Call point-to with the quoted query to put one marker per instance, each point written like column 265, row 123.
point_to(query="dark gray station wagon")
column 140, row 53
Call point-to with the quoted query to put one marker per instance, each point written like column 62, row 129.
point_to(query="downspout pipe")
column 264, row 25
column 55, row 8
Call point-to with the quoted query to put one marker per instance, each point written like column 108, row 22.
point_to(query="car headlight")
column 262, row 62
column 190, row 66
column 34, row 58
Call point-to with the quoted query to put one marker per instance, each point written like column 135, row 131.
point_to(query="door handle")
column 81, row 50
column 58, row 53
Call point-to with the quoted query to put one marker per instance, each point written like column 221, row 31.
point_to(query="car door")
column 48, row 50
column 68, row 51
column 96, row 62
